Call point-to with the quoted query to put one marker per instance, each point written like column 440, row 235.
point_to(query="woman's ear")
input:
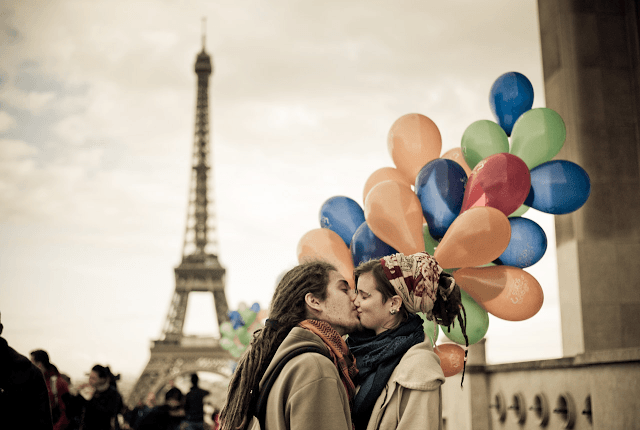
column 312, row 303
column 396, row 302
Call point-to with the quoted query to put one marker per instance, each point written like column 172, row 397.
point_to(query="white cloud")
column 6, row 121
column 35, row 102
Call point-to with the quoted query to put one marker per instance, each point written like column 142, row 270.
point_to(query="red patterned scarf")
column 344, row 361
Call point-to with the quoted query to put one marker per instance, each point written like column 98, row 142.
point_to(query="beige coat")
column 309, row 393
column 412, row 398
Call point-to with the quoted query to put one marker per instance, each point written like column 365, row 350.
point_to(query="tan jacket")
column 309, row 393
column 412, row 398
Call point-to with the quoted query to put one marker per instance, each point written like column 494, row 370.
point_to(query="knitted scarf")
column 377, row 357
column 342, row 358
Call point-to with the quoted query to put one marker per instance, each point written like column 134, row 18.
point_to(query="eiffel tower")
column 177, row 354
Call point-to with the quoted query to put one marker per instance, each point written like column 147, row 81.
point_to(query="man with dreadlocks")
column 312, row 308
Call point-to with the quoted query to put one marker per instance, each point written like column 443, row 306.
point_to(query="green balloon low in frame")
column 482, row 139
column 538, row 135
column 477, row 322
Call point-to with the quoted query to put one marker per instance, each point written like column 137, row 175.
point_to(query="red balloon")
column 451, row 358
column 500, row 181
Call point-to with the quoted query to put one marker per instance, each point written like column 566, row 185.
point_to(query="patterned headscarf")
column 416, row 280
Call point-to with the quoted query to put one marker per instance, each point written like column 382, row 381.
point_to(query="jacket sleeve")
column 62, row 389
column 419, row 409
column 318, row 405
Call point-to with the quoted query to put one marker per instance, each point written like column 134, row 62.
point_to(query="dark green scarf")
column 376, row 358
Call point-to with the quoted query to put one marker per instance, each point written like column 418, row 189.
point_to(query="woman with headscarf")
column 399, row 374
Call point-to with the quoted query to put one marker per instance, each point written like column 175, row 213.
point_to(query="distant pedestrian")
column 102, row 403
column 58, row 389
column 24, row 401
column 194, row 405
column 169, row 416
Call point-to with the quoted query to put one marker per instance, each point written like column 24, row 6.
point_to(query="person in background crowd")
column 193, row 405
column 215, row 417
column 141, row 410
column 102, row 402
column 24, row 401
column 400, row 375
column 74, row 404
column 56, row 386
column 169, row 416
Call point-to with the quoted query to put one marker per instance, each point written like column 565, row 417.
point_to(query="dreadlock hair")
column 288, row 309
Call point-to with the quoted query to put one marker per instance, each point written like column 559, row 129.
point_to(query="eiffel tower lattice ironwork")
column 199, row 271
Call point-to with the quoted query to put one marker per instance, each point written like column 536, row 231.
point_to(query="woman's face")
column 373, row 313
column 95, row 379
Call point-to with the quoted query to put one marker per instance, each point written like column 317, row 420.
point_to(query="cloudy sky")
column 97, row 103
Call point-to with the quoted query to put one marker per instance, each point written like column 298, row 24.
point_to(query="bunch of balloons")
column 236, row 334
column 464, row 207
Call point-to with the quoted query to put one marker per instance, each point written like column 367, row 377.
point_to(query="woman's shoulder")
column 419, row 368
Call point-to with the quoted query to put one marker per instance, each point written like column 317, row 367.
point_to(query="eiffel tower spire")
column 199, row 269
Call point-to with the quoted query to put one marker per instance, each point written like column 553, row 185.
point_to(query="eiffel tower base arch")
column 169, row 360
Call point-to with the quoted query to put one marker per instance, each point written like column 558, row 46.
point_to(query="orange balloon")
column 326, row 245
column 413, row 141
column 394, row 215
column 506, row 292
column 476, row 237
column 381, row 175
column 455, row 154
column 451, row 358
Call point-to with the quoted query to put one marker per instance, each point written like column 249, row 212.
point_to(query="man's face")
column 338, row 308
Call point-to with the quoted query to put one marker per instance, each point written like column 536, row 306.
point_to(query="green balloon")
column 520, row 211
column 236, row 351
column 226, row 330
column 248, row 316
column 538, row 136
column 429, row 242
column 477, row 322
column 429, row 329
column 226, row 343
column 243, row 335
column 482, row 139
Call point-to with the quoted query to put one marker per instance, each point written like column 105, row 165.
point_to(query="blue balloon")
column 236, row 319
column 367, row 246
column 440, row 189
column 558, row 187
column 255, row 307
column 511, row 95
column 341, row 215
column 527, row 245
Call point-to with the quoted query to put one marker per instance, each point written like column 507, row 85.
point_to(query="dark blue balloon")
column 341, row 215
column 236, row 319
column 367, row 246
column 558, row 187
column 527, row 245
column 440, row 189
column 511, row 95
